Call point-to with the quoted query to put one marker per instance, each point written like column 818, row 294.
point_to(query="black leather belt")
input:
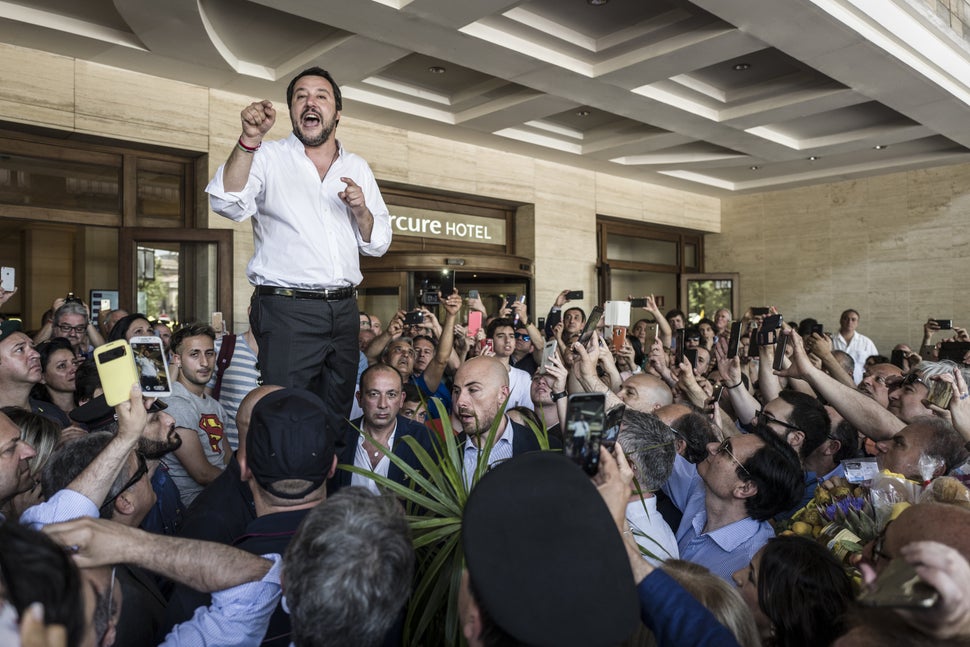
column 338, row 294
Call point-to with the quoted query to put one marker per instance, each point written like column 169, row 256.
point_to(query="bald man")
column 225, row 507
column 479, row 391
column 645, row 392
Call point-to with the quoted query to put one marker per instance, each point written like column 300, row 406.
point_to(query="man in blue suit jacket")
column 381, row 397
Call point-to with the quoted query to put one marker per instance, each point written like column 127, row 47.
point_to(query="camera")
column 70, row 298
column 428, row 294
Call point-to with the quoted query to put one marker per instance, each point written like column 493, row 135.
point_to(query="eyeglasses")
column 519, row 335
column 140, row 472
column 725, row 447
column 907, row 380
column 64, row 328
column 765, row 418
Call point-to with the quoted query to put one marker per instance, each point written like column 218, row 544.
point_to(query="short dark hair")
column 380, row 366
column 67, row 463
column 846, row 312
column 194, row 329
column 33, row 568
column 315, row 71
column 776, row 471
column 848, row 438
column 810, row 416
column 578, row 309
column 697, row 431
column 411, row 393
column 673, row 313
column 502, row 322
column 348, row 570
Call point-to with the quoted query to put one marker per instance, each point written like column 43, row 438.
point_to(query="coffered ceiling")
column 712, row 96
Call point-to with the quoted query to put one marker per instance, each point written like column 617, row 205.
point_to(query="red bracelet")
column 248, row 149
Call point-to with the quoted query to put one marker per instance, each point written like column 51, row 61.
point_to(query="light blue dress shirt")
column 724, row 550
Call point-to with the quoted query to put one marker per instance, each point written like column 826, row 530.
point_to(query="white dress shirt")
column 362, row 460
column 305, row 236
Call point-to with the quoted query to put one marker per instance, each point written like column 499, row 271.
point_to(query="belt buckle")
column 286, row 292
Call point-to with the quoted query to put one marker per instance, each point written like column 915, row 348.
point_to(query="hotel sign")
column 442, row 225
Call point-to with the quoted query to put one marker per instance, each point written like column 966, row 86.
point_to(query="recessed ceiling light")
column 582, row 113
column 813, row 158
column 597, row 3
column 880, row 147
column 754, row 168
column 436, row 69
column 741, row 67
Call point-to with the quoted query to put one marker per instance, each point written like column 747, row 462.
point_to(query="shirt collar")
column 728, row 537
column 504, row 439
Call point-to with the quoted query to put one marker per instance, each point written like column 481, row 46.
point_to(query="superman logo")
column 212, row 426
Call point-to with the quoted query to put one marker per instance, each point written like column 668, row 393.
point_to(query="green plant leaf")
column 439, row 506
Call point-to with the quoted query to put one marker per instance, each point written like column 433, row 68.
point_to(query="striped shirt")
column 501, row 451
column 238, row 380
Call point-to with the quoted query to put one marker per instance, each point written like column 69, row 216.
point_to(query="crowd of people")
column 258, row 501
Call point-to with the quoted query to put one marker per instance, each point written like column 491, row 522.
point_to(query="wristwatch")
column 559, row 396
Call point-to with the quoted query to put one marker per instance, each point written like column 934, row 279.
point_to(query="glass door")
column 182, row 275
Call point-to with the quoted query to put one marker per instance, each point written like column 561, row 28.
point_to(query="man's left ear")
column 333, row 467
column 746, row 490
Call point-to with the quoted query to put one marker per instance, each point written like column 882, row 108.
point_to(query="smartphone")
column 414, row 318
column 898, row 357
column 940, row 393
column 681, row 341
column 541, row 323
column 954, row 350
column 116, row 368
column 574, row 295
column 611, row 428
column 659, row 300
column 149, row 354
column 899, row 586
column 718, row 391
column 8, row 279
column 447, row 284
column 638, row 302
column 218, row 324
column 474, row 322
column 585, row 421
column 548, row 351
column 754, row 347
column 690, row 354
column 818, row 329
column 734, row 340
column 944, row 324
column 619, row 338
column 594, row 318
column 760, row 311
column 779, row 361
column 473, row 294
column 489, row 345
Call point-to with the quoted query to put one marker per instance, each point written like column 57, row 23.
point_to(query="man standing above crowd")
column 857, row 345
column 315, row 208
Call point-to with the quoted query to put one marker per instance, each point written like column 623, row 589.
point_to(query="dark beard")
column 155, row 449
column 319, row 140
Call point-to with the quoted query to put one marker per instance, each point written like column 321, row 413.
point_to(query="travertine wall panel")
column 137, row 107
column 36, row 87
column 894, row 247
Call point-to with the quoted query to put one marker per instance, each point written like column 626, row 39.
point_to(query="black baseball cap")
column 545, row 558
column 96, row 412
column 289, row 439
